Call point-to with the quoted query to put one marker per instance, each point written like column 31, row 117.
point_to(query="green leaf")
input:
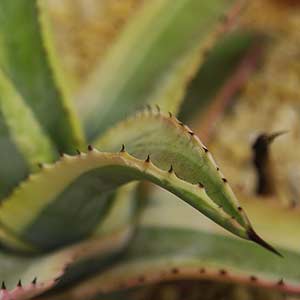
column 38, row 274
column 27, row 57
column 163, row 36
column 64, row 202
column 22, row 141
column 171, row 143
column 174, row 243
column 221, row 62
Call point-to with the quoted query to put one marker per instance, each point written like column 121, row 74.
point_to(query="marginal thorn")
column 170, row 114
column 280, row 282
column 218, row 169
column 34, row 280
column 171, row 169
column 253, row 236
column 3, row 286
column 78, row 152
column 90, row 148
column 200, row 185
column 253, row 278
column 157, row 108
column 148, row 106
column 147, row 160
column 223, row 272
column 191, row 133
column 40, row 165
column 205, row 149
column 19, row 283
column 224, row 180
column 61, row 154
column 180, row 123
column 123, row 148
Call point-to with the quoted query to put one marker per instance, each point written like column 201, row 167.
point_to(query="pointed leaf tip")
column 253, row 236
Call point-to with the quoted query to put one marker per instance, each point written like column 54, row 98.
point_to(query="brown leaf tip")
column 253, row 236
column 253, row 278
column 175, row 271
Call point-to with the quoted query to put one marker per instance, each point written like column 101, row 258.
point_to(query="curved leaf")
column 171, row 143
column 25, row 277
column 26, row 53
column 66, row 199
column 22, row 141
column 137, row 68
column 172, row 244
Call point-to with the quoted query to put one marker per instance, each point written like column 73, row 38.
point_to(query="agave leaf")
column 25, row 277
column 22, row 141
column 221, row 62
column 83, row 184
column 27, row 57
column 162, row 33
column 172, row 244
column 176, row 146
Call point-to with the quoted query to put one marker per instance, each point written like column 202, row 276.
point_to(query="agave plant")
column 74, row 218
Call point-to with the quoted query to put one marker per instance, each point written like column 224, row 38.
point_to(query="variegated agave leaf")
column 206, row 252
column 163, row 41
column 25, row 277
column 28, row 58
column 139, row 134
column 22, row 140
column 83, row 184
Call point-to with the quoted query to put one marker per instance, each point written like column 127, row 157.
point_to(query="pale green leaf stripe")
column 150, row 47
column 49, row 268
column 25, row 55
column 74, row 181
column 169, row 142
column 23, row 142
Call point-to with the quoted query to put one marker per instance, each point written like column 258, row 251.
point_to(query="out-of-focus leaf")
column 220, row 63
column 25, row 277
column 138, row 65
column 175, row 243
column 64, row 202
column 27, row 57
column 22, row 141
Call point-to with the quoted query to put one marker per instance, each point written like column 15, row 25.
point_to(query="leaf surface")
column 172, row 244
column 156, row 51
column 27, row 57
column 67, row 199
column 22, row 141
column 26, row 277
